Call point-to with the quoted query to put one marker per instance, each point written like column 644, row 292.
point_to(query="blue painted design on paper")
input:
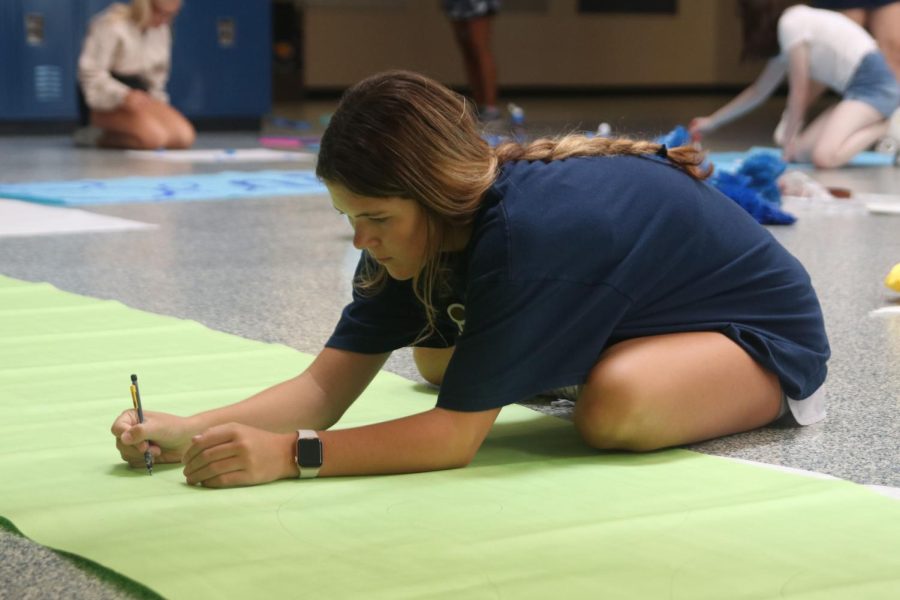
column 180, row 188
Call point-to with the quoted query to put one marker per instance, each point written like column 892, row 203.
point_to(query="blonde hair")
column 686, row 158
column 142, row 10
column 401, row 134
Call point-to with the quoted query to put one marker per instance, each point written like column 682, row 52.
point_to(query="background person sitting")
column 122, row 74
column 814, row 49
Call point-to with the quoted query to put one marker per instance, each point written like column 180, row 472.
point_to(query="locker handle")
column 34, row 29
column 226, row 29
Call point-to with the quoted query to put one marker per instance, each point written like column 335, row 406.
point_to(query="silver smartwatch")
column 308, row 453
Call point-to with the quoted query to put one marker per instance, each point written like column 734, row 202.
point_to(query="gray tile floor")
column 277, row 270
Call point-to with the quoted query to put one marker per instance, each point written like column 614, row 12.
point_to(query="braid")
column 686, row 158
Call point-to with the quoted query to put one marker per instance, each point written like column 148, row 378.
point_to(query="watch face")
column 309, row 452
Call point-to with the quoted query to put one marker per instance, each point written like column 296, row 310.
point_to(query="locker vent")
column 47, row 83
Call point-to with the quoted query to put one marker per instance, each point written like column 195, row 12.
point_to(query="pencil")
column 136, row 400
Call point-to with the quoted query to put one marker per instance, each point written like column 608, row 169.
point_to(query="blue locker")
column 221, row 58
column 39, row 60
column 6, row 61
column 87, row 10
column 92, row 7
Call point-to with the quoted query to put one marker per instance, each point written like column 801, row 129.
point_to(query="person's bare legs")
column 884, row 23
column 480, row 38
column 857, row 15
column 840, row 133
column 816, row 89
column 810, row 135
column 432, row 363
column 660, row 391
column 150, row 125
column 180, row 133
column 131, row 130
column 123, row 140
column 462, row 35
column 670, row 390
column 474, row 39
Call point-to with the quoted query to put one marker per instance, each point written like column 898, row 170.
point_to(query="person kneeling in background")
column 814, row 50
column 122, row 74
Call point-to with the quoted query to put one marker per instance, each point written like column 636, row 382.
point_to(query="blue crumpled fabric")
column 740, row 188
column 763, row 169
column 752, row 185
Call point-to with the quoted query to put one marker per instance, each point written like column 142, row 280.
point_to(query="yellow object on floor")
column 893, row 278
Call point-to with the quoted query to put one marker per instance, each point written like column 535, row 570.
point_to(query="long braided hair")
column 686, row 158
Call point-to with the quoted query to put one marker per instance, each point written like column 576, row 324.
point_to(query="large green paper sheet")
column 536, row 515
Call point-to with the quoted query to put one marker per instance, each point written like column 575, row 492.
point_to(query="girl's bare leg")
column 154, row 125
column 669, row 390
column 884, row 23
column 432, row 363
column 840, row 133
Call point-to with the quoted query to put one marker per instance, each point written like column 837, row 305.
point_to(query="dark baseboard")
column 547, row 91
column 227, row 123
column 38, row 127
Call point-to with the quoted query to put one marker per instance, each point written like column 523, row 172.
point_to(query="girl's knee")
column 432, row 363
column 150, row 137
column 611, row 414
column 613, row 427
column 182, row 137
column 173, row 130
column 825, row 158
column 433, row 377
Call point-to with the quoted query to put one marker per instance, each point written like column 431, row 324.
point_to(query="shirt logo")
column 457, row 313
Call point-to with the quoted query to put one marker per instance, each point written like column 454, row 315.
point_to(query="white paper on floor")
column 223, row 155
column 822, row 205
column 881, row 204
column 27, row 218
column 883, row 208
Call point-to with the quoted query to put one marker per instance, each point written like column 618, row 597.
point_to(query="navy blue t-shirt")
column 569, row 257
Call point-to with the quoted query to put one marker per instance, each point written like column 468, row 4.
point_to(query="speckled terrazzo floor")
column 277, row 269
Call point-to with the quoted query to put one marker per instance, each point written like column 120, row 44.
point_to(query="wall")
column 538, row 43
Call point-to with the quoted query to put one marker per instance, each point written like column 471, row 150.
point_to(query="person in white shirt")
column 816, row 49
column 881, row 18
column 122, row 74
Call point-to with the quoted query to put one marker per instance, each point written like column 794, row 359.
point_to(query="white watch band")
column 307, row 471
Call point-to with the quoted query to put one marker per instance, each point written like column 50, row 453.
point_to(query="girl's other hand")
column 235, row 455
